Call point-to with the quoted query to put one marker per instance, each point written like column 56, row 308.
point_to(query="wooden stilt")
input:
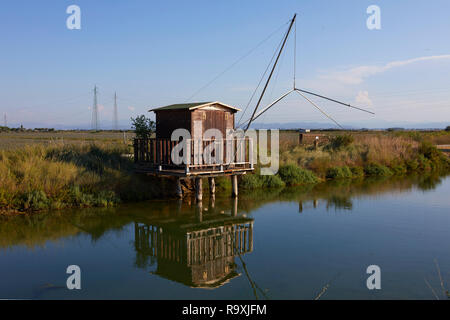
column 212, row 185
column 198, row 189
column 234, row 183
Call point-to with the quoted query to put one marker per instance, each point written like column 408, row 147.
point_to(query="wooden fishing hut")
column 206, row 152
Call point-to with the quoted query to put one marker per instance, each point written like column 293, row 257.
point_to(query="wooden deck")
column 154, row 156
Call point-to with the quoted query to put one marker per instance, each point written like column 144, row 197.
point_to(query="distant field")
column 15, row 140
column 288, row 138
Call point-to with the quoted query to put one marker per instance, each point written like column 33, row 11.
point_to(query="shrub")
column 293, row 175
column 339, row 173
column 399, row 169
column 429, row 151
column 341, row 141
column 255, row 181
column 250, row 181
column 448, row 128
column 375, row 169
column 412, row 165
column 424, row 163
column 35, row 200
column 273, row 181
column 357, row 172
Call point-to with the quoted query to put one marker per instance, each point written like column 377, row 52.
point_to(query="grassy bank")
column 55, row 177
column 347, row 156
column 88, row 174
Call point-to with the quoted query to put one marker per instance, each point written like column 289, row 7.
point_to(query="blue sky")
column 155, row 53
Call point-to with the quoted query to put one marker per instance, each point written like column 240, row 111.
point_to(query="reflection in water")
column 35, row 230
column 204, row 244
column 198, row 252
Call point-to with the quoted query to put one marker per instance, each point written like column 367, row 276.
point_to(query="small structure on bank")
column 211, row 149
column 311, row 138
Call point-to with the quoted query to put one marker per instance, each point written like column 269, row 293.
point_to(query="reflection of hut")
column 196, row 254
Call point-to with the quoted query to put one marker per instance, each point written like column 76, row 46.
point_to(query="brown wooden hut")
column 232, row 155
column 195, row 117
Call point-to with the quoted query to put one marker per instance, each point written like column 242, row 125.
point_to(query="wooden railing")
column 228, row 152
column 197, row 246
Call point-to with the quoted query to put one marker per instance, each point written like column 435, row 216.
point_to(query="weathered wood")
column 235, row 207
column 212, row 185
column 250, row 237
column 179, row 190
column 198, row 189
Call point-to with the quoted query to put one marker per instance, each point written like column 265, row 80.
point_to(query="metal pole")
column 271, row 72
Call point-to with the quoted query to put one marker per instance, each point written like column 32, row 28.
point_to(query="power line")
column 95, row 111
column 115, row 120
column 236, row 62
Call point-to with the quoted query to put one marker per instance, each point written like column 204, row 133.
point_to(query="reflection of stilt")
column 212, row 201
column 234, row 185
column 250, row 237
column 198, row 189
column 315, row 203
column 179, row 190
column 235, row 207
column 179, row 206
column 300, row 206
column 212, row 185
column 199, row 211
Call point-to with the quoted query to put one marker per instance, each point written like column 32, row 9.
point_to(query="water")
column 293, row 243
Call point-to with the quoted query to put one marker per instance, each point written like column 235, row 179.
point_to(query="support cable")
column 333, row 100
column 236, row 62
column 317, row 107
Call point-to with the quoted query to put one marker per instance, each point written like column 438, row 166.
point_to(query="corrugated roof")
column 192, row 106
column 181, row 106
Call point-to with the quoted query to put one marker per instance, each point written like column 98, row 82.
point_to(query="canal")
column 293, row 243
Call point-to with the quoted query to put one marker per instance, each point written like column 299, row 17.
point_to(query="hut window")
column 204, row 115
column 226, row 116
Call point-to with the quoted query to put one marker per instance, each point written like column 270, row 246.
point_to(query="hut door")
column 198, row 130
